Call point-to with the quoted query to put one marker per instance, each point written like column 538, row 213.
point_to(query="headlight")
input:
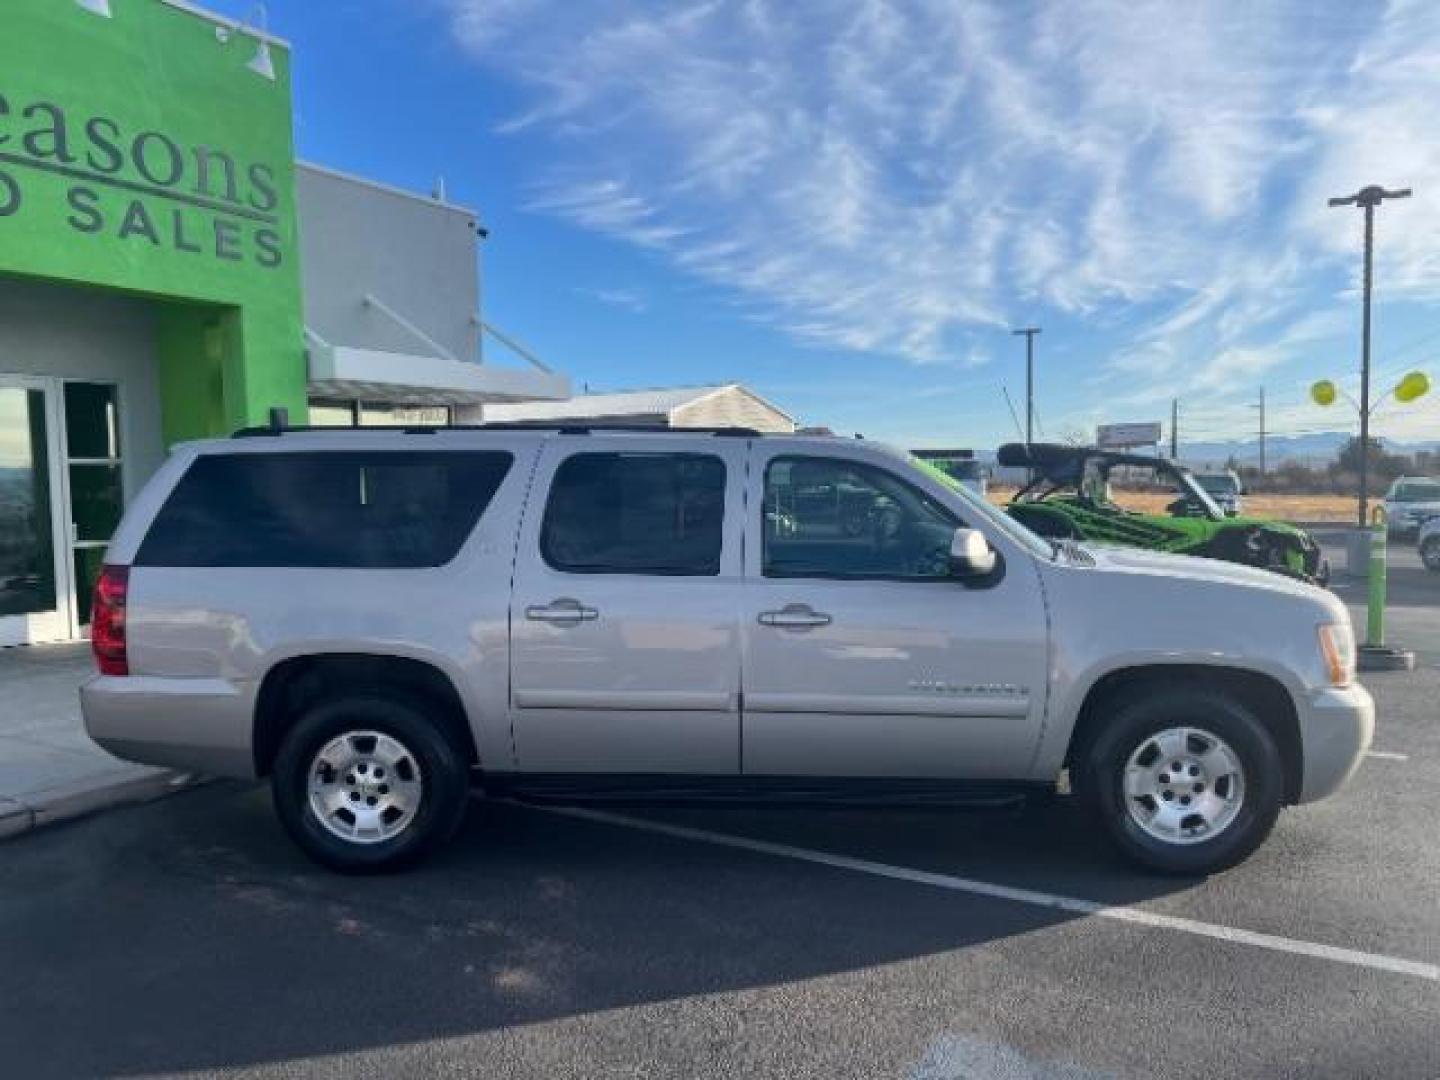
column 1337, row 649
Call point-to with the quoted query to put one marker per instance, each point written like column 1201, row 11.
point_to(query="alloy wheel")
column 365, row 787
column 1183, row 785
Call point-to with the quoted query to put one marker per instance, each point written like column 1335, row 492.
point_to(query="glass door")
column 35, row 587
column 93, row 474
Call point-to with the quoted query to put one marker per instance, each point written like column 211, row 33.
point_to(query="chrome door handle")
column 794, row 617
column 562, row 612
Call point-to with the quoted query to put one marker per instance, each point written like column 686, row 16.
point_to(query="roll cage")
column 1058, row 468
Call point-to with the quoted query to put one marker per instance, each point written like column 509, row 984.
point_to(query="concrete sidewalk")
column 49, row 768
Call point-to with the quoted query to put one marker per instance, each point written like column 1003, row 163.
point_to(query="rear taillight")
column 107, row 620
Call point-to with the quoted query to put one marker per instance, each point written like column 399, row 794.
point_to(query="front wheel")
column 1184, row 781
column 369, row 782
column 1430, row 554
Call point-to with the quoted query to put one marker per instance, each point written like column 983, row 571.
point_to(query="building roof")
column 655, row 401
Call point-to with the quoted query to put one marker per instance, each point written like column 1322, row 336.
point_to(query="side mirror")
column 971, row 555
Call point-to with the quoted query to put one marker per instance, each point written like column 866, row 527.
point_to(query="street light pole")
column 1029, row 332
column 1367, row 198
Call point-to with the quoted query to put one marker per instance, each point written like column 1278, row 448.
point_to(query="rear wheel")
column 369, row 782
column 1184, row 781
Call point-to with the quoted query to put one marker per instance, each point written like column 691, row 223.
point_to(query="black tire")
column 1135, row 718
column 1430, row 554
column 443, row 780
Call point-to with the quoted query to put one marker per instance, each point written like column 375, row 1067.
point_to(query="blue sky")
column 846, row 204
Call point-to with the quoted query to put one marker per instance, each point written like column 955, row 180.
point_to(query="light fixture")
column 96, row 7
column 262, row 63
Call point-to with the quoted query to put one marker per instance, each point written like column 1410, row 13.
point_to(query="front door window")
column 832, row 518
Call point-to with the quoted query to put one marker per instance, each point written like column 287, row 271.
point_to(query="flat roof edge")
column 389, row 189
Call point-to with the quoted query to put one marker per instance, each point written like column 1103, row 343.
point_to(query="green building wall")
column 140, row 153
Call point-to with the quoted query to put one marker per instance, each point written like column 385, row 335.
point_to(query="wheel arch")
column 1265, row 694
column 294, row 684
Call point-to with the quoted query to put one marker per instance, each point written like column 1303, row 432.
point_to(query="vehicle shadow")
column 190, row 934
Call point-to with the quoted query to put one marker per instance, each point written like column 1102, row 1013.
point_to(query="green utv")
column 1069, row 497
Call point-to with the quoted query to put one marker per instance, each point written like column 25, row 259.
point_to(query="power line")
column 1013, row 415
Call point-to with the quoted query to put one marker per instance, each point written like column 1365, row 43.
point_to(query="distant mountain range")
column 1311, row 449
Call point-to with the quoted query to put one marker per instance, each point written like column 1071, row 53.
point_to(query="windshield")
column 1187, row 485
column 1108, row 484
column 1216, row 483
column 993, row 514
column 1418, row 492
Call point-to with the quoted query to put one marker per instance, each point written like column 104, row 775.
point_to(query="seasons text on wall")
column 141, row 187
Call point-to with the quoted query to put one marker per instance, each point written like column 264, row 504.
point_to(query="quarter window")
column 611, row 513
column 831, row 518
column 329, row 509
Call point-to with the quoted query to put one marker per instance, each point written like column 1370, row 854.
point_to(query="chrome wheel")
column 1184, row 785
column 365, row 787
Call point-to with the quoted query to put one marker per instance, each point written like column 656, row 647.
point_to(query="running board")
column 651, row 790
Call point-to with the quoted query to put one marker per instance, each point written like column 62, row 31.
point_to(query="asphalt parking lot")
column 189, row 937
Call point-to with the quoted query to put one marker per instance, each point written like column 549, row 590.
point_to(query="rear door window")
column 611, row 513
column 382, row 509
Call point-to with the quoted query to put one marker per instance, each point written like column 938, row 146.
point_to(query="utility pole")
column 1261, row 407
column 1175, row 429
column 1029, row 332
column 1262, row 431
column 1367, row 198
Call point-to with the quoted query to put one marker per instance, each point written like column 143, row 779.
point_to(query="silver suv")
column 1410, row 502
column 377, row 620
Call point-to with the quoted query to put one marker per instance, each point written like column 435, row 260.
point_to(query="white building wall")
column 76, row 333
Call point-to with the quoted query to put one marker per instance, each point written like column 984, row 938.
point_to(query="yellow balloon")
column 1412, row 386
column 1323, row 392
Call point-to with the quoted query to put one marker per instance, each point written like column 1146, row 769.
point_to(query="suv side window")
column 616, row 513
column 331, row 509
column 832, row 518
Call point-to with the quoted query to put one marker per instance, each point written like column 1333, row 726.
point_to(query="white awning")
column 342, row 371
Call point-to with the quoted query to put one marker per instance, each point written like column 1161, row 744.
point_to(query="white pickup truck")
column 379, row 620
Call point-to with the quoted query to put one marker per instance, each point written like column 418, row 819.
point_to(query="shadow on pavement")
column 191, row 935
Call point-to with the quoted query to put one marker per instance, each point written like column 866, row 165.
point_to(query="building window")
column 333, row 412
column 326, row 413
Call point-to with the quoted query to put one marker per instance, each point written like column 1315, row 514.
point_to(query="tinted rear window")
column 636, row 514
column 330, row 509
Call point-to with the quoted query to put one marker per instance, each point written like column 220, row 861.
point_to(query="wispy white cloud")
column 890, row 175
column 631, row 300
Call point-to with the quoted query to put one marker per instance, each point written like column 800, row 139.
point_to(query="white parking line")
column 1387, row 755
column 1374, row 961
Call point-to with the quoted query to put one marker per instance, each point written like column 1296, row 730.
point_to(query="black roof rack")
column 559, row 427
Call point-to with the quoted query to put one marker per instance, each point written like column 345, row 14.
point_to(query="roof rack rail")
column 559, row 427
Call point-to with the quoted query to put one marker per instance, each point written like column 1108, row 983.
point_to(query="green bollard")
column 1375, row 655
column 1375, row 610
